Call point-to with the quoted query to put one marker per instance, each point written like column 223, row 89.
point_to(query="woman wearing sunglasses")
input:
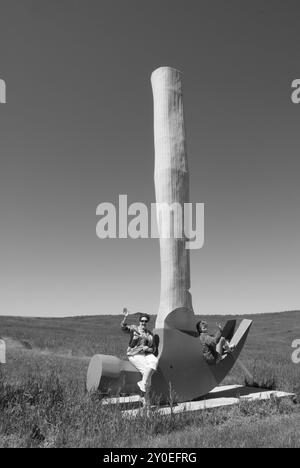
column 142, row 350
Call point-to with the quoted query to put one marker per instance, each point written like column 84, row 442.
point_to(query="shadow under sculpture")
column 182, row 369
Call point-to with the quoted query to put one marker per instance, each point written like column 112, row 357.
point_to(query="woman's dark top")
column 209, row 343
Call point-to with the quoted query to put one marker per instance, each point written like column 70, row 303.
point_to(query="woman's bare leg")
column 223, row 346
column 220, row 348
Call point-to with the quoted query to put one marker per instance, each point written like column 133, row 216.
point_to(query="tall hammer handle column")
column 171, row 187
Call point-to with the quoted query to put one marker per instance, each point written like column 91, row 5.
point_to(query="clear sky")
column 77, row 130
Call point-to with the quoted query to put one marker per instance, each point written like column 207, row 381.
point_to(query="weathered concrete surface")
column 219, row 397
column 171, row 178
column 182, row 369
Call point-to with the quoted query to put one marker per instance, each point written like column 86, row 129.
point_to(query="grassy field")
column 43, row 402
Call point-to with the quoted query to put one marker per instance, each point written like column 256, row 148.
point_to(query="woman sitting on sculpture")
column 142, row 349
column 214, row 347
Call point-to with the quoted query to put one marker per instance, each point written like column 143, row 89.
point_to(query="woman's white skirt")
column 144, row 361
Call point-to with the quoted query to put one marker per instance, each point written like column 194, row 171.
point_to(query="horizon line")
column 137, row 313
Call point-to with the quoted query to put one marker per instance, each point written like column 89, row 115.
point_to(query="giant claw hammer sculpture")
column 181, row 364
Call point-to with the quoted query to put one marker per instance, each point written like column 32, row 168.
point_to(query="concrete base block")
column 219, row 397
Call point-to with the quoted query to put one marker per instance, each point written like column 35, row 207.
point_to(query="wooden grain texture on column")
column 171, row 186
column 182, row 367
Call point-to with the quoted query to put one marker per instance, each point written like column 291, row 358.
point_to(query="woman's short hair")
column 146, row 316
column 199, row 326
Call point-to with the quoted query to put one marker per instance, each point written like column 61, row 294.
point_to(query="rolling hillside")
column 43, row 401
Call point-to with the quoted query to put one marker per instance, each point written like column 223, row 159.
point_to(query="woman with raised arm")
column 142, row 350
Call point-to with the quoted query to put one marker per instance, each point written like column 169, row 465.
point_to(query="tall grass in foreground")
column 45, row 412
column 43, row 402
